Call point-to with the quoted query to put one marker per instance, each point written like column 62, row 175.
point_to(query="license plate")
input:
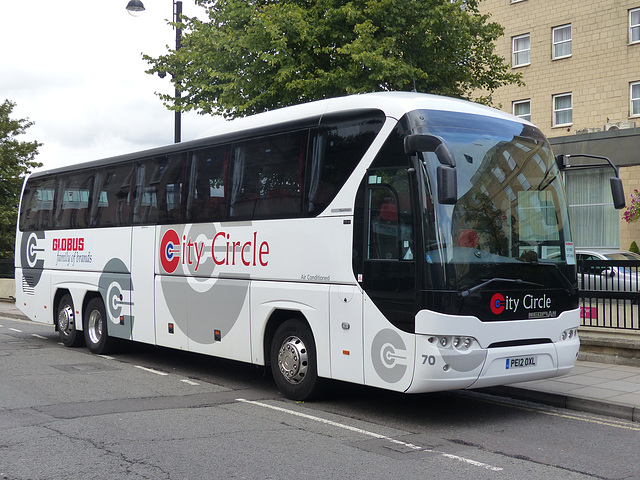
column 521, row 362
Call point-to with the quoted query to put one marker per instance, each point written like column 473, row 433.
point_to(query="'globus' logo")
column 170, row 251
column 497, row 303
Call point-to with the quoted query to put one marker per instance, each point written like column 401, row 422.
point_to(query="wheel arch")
column 277, row 318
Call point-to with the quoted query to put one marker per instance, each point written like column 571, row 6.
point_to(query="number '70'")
column 430, row 359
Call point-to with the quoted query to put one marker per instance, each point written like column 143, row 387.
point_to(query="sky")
column 75, row 69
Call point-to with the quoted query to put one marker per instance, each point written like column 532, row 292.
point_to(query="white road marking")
column 189, row 382
column 372, row 434
column 151, row 370
column 38, row 336
column 15, row 330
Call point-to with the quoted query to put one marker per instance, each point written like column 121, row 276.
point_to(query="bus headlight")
column 458, row 342
column 569, row 334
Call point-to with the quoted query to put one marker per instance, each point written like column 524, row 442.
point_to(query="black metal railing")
column 6, row 268
column 609, row 293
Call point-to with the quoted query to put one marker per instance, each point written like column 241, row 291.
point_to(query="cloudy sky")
column 75, row 69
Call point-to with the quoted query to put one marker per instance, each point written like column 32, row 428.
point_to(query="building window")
column 635, row 99
column 562, row 41
column 562, row 109
column 634, row 25
column 522, row 109
column 594, row 221
column 521, row 50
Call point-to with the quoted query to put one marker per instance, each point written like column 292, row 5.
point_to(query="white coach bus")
column 405, row 241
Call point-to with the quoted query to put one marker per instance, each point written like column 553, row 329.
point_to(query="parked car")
column 614, row 277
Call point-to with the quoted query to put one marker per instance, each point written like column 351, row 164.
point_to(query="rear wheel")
column 95, row 329
column 293, row 361
column 70, row 336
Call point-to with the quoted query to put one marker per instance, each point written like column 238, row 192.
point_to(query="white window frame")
column 561, row 43
column 634, row 101
column 557, row 111
column 515, row 54
column 522, row 102
column 634, row 25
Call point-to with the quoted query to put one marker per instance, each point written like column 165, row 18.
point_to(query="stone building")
column 580, row 62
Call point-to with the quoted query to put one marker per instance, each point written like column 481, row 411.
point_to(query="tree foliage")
column 17, row 158
column 256, row 55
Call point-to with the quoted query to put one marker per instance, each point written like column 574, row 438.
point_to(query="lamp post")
column 135, row 8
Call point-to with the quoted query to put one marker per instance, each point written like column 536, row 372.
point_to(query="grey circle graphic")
column 389, row 356
column 31, row 257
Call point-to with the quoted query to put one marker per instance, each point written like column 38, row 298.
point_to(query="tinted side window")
column 207, row 200
column 159, row 189
column 72, row 200
column 37, row 204
column 337, row 148
column 266, row 177
column 110, row 205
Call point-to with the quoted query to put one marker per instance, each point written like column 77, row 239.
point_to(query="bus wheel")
column 95, row 330
column 69, row 334
column 293, row 361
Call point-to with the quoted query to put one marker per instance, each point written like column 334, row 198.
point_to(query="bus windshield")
column 511, row 208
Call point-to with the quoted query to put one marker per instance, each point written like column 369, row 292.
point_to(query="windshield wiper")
column 517, row 281
column 570, row 286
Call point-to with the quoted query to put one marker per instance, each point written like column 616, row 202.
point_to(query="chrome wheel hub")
column 65, row 319
column 94, row 326
column 293, row 360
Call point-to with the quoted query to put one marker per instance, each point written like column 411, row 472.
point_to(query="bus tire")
column 70, row 336
column 293, row 361
column 95, row 328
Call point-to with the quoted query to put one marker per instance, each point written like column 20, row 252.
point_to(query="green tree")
column 256, row 55
column 16, row 160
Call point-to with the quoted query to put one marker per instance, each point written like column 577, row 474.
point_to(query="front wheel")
column 95, row 329
column 293, row 361
column 70, row 336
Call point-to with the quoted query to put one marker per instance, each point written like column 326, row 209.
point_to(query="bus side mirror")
column 447, row 177
column 447, row 185
column 429, row 143
column 617, row 192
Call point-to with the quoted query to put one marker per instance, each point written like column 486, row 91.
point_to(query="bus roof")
column 393, row 104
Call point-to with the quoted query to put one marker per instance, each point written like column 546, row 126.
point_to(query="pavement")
column 602, row 386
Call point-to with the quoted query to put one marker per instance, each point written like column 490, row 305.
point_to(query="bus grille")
column 520, row 343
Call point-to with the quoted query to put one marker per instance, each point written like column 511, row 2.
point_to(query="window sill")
column 561, row 58
column 520, row 66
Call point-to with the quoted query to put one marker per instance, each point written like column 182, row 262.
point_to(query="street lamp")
column 135, row 8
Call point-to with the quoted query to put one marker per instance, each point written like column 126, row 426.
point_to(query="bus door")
column 389, row 277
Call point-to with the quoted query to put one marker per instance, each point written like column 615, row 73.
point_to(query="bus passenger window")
column 110, row 206
column 72, row 200
column 337, row 147
column 159, row 190
column 266, row 177
column 207, row 201
column 37, row 204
